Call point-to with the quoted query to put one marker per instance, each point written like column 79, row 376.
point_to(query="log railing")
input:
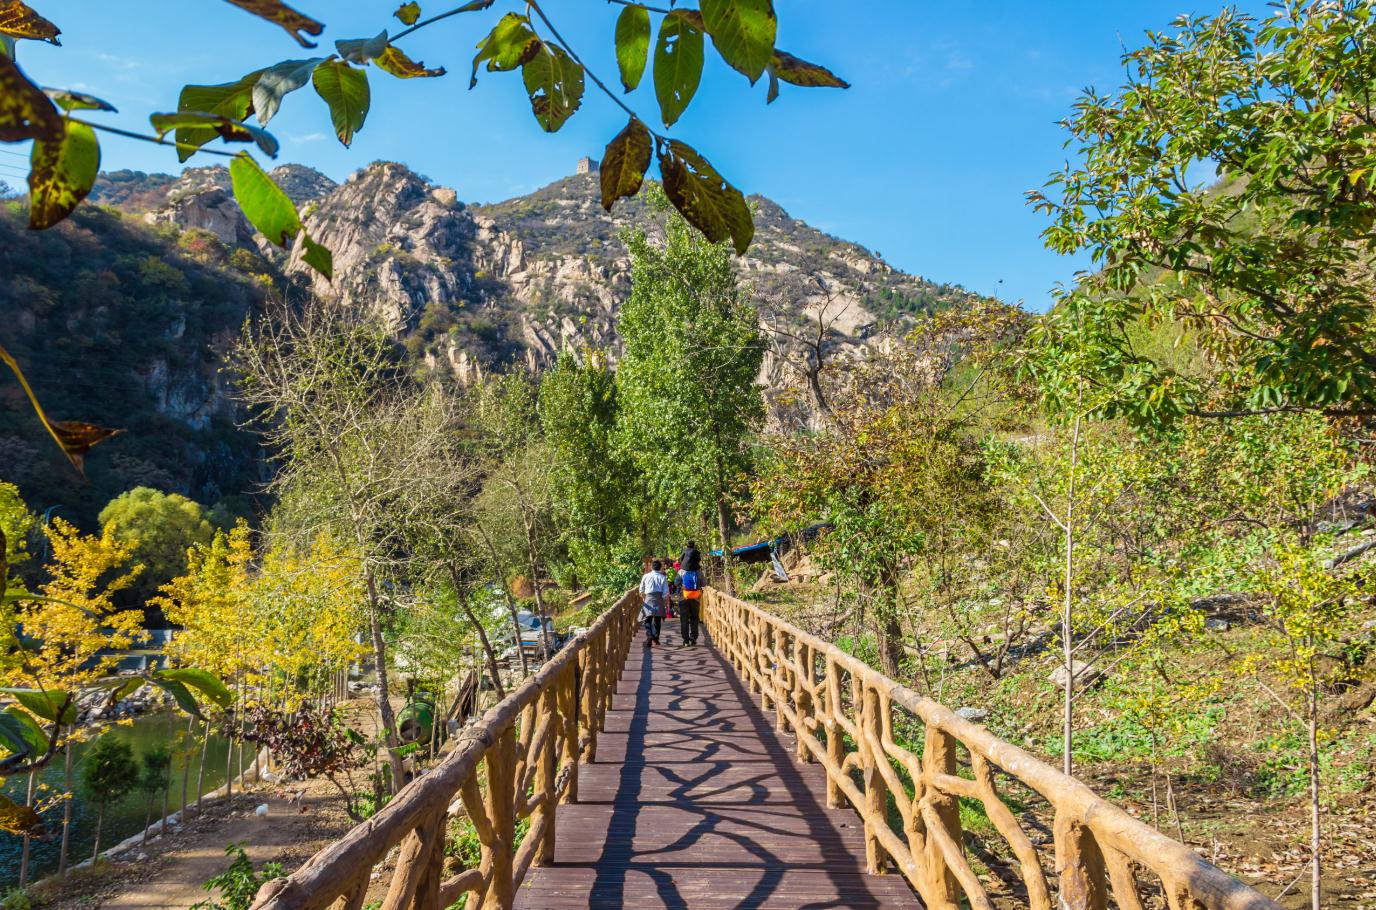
column 906, row 765
column 519, row 762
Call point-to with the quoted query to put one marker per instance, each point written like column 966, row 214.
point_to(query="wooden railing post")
column 568, row 714
column 804, row 677
column 501, row 811
column 545, row 775
column 836, row 745
column 415, row 876
column 1079, row 866
column 876, row 789
column 939, row 758
column 432, row 876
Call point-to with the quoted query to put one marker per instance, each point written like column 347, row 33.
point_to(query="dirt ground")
column 167, row 874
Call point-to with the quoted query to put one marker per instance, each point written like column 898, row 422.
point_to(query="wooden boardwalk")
column 696, row 803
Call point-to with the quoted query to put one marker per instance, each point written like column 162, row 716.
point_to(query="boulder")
column 1085, row 674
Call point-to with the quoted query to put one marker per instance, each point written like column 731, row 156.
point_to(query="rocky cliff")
column 131, row 306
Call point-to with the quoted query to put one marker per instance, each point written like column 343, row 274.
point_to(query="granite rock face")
column 477, row 288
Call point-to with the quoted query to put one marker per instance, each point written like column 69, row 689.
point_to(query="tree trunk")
column 482, row 636
column 890, row 637
column 384, row 695
column 100, row 820
column 533, row 563
column 28, row 796
column 1067, row 612
column 186, row 765
column 724, row 532
column 506, row 593
column 66, row 809
column 1315, row 829
column 200, row 770
column 148, row 819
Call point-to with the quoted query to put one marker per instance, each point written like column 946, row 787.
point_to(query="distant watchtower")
column 587, row 165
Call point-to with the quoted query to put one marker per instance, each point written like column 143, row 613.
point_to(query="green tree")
column 689, row 403
column 1228, row 186
column 514, row 510
column 593, row 483
column 155, row 775
column 160, row 527
column 351, row 427
column 108, row 773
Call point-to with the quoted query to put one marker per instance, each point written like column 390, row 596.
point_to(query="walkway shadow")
column 696, row 732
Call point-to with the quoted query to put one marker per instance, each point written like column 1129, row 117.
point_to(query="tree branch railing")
column 909, row 791
column 519, row 762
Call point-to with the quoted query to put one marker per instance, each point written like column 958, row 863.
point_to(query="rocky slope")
column 473, row 288
column 124, row 314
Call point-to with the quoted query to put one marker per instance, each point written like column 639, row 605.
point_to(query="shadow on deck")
column 695, row 803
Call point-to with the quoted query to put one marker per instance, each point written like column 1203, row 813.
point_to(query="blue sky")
column 950, row 120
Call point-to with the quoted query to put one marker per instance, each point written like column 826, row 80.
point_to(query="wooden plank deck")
column 696, row 803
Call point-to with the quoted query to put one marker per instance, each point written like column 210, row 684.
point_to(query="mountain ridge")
column 154, row 280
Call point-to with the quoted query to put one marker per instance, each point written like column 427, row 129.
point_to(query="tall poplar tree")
column 688, row 395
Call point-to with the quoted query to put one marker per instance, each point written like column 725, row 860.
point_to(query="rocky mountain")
column 146, row 289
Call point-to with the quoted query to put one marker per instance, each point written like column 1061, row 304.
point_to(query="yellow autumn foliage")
column 71, row 635
column 283, row 624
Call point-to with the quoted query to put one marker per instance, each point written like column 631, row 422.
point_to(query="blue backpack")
column 692, row 581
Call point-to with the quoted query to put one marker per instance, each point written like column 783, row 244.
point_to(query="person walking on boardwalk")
column 690, row 608
column 654, row 592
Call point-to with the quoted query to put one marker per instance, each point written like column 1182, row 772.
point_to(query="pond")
column 122, row 818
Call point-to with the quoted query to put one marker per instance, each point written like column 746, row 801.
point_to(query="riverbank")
column 169, row 872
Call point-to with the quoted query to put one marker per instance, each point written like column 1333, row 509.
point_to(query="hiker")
column 654, row 591
column 690, row 608
column 671, row 603
column 691, row 560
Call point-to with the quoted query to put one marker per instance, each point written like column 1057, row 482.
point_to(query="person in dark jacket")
column 691, row 560
column 690, row 609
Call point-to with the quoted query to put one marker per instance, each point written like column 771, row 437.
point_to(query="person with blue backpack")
column 690, row 610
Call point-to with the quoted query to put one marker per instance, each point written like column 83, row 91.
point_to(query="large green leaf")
column 32, row 733
column 279, row 80
column 229, row 99
column 279, row 13
column 61, row 174
column 225, row 127
column 125, row 688
column 181, row 694
column 13, row 738
column 508, row 46
column 704, row 197
column 345, row 90
column 205, row 682
column 45, row 704
column 78, row 101
column 361, row 50
column 18, row 20
column 554, row 81
column 624, row 162
column 678, row 63
column 25, row 112
column 743, row 32
column 784, row 67
column 273, row 213
column 264, row 204
column 632, row 44
column 317, row 256
column 395, row 61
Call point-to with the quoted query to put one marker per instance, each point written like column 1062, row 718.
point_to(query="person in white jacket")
column 654, row 593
